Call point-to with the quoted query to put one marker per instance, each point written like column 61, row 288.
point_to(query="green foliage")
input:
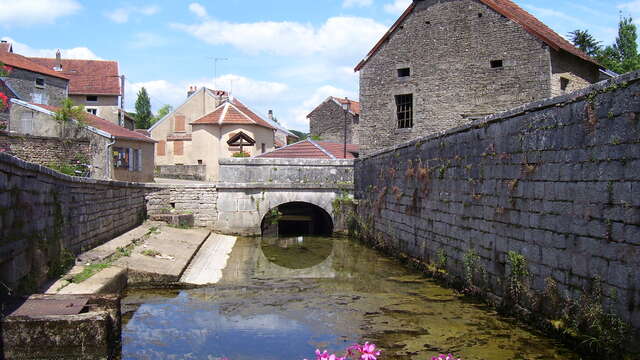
column 143, row 110
column 300, row 134
column 273, row 216
column 586, row 42
column 442, row 259
column 162, row 112
column 471, row 264
column 69, row 111
column 3, row 72
column 89, row 271
column 516, row 282
column 151, row 253
column 241, row 155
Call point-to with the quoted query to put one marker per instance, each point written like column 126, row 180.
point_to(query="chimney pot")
column 270, row 114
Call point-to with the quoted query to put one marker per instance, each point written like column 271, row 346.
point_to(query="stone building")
column 114, row 152
column 447, row 62
column 327, row 121
column 95, row 84
column 204, row 129
column 30, row 81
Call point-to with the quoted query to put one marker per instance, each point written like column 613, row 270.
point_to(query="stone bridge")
column 249, row 189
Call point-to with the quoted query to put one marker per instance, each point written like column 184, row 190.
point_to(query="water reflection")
column 265, row 308
column 297, row 252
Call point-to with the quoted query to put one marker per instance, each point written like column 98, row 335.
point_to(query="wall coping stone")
column 285, row 162
column 231, row 186
column 557, row 101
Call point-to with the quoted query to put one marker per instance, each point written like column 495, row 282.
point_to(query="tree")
column 143, row 110
column 584, row 41
column 162, row 112
column 299, row 134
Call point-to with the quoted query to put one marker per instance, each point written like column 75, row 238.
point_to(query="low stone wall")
column 45, row 150
column 44, row 215
column 199, row 200
column 556, row 181
column 182, row 172
column 286, row 171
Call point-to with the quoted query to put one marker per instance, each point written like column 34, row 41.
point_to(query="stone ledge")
column 229, row 186
column 285, row 162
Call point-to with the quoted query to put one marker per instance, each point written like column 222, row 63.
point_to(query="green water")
column 269, row 305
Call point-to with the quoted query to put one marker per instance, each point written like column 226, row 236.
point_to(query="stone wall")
column 23, row 83
column 45, row 150
column 200, row 200
column 182, row 172
column 327, row 122
column 284, row 172
column 44, row 214
column 557, row 181
column 449, row 45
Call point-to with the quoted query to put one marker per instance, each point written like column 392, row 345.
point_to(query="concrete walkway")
column 207, row 266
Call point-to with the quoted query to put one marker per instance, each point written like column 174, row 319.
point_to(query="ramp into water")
column 207, row 265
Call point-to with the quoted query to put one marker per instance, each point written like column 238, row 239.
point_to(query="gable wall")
column 448, row 47
column 327, row 122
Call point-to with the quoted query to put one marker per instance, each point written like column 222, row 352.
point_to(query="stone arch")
column 321, row 221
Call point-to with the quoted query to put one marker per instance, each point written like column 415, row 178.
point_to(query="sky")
column 284, row 55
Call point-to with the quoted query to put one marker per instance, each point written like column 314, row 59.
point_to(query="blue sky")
column 285, row 55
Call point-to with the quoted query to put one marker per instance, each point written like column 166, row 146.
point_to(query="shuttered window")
column 180, row 123
column 161, row 148
column 178, row 148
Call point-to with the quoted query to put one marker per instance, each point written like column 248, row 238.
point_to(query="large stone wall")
column 43, row 213
column 45, row 150
column 284, row 172
column 448, row 45
column 557, row 181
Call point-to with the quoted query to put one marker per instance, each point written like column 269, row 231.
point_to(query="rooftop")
column 86, row 77
column 311, row 149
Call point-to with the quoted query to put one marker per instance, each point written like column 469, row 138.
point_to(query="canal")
column 283, row 298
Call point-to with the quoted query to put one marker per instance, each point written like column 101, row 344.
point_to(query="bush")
column 241, row 155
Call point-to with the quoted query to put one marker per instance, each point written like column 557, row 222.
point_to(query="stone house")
column 327, row 121
column 193, row 137
column 95, row 84
column 113, row 152
column 30, row 81
column 445, row 63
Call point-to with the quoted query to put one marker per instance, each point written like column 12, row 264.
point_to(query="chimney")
column 270, row 115
column 192, row 90
column 58, row 66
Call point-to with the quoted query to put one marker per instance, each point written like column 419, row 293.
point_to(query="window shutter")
column 139, row 160
column 131, row 159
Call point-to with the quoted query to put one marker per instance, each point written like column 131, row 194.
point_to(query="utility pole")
column 122, row 101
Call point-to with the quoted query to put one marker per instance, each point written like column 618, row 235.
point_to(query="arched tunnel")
column 297, row 218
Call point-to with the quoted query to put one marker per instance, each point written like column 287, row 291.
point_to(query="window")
column 93, row 111
column 264, row 148
column 92, row 98
column 200, row 162
column 404, row 105
column 496, row 64
column 136, row 160
column 564, row 83
column 356, row 119
column 161, row 148
column 121, row 158
column 38, row 98
column 404, row 72
column 39, row 82
column 180, row 120
column 178, row 148
column 26, row 123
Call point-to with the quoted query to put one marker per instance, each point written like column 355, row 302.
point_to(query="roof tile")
column 87, row 77
column 232, row 112
column 21, row 62
column 309, row 149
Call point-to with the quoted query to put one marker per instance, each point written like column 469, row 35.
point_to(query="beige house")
column 117, row 153
column 198, row 133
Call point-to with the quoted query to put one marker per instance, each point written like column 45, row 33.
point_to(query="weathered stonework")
column 45, row 150
column 182, row 172
column 199, row 200
column 23, row 84
column 448, row 45
column 557, row 181
column 327, row 122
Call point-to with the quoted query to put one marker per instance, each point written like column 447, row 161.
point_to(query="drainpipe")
column 108, row 165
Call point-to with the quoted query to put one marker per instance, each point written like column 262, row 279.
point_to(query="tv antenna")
column 215, row 69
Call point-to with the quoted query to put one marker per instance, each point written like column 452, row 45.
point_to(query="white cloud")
column 397, row 7
column 298, row 115
column 354, row 3
column 254, row 93
column 143, row 40
column 545, row 13
column 121, row 15
column 198, row 9
column 71, row 53
column 29, row 12
column 338, row 37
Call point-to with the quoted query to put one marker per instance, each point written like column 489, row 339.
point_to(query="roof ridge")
column 322, row 149
column 225, row 109
column 242, row 112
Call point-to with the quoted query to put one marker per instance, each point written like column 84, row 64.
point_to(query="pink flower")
column 367, row 351
column 326, row 356
column 444, row 357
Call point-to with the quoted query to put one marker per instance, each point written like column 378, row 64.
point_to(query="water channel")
column 283, row 298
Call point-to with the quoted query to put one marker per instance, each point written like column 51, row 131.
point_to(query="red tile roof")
column 21, row 62
column 310, row 149
column 232, row 112
column 87, row 77
column 101, row 124
column 513, row 12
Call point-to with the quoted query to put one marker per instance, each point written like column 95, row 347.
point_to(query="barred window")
column 404, row 105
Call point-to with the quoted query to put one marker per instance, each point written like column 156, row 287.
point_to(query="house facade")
column 95, row 84
column 116, row 153
column 30, row 81
column 447, row 62
column 197, row 134
column 328, row 120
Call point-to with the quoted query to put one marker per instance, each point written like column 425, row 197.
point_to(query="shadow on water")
column 283, row 298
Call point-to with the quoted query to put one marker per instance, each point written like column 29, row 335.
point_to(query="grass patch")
column 89, row 271
column 151, row 253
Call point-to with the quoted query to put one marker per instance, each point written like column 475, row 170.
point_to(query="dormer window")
column 40, row 83
column 92, row 98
